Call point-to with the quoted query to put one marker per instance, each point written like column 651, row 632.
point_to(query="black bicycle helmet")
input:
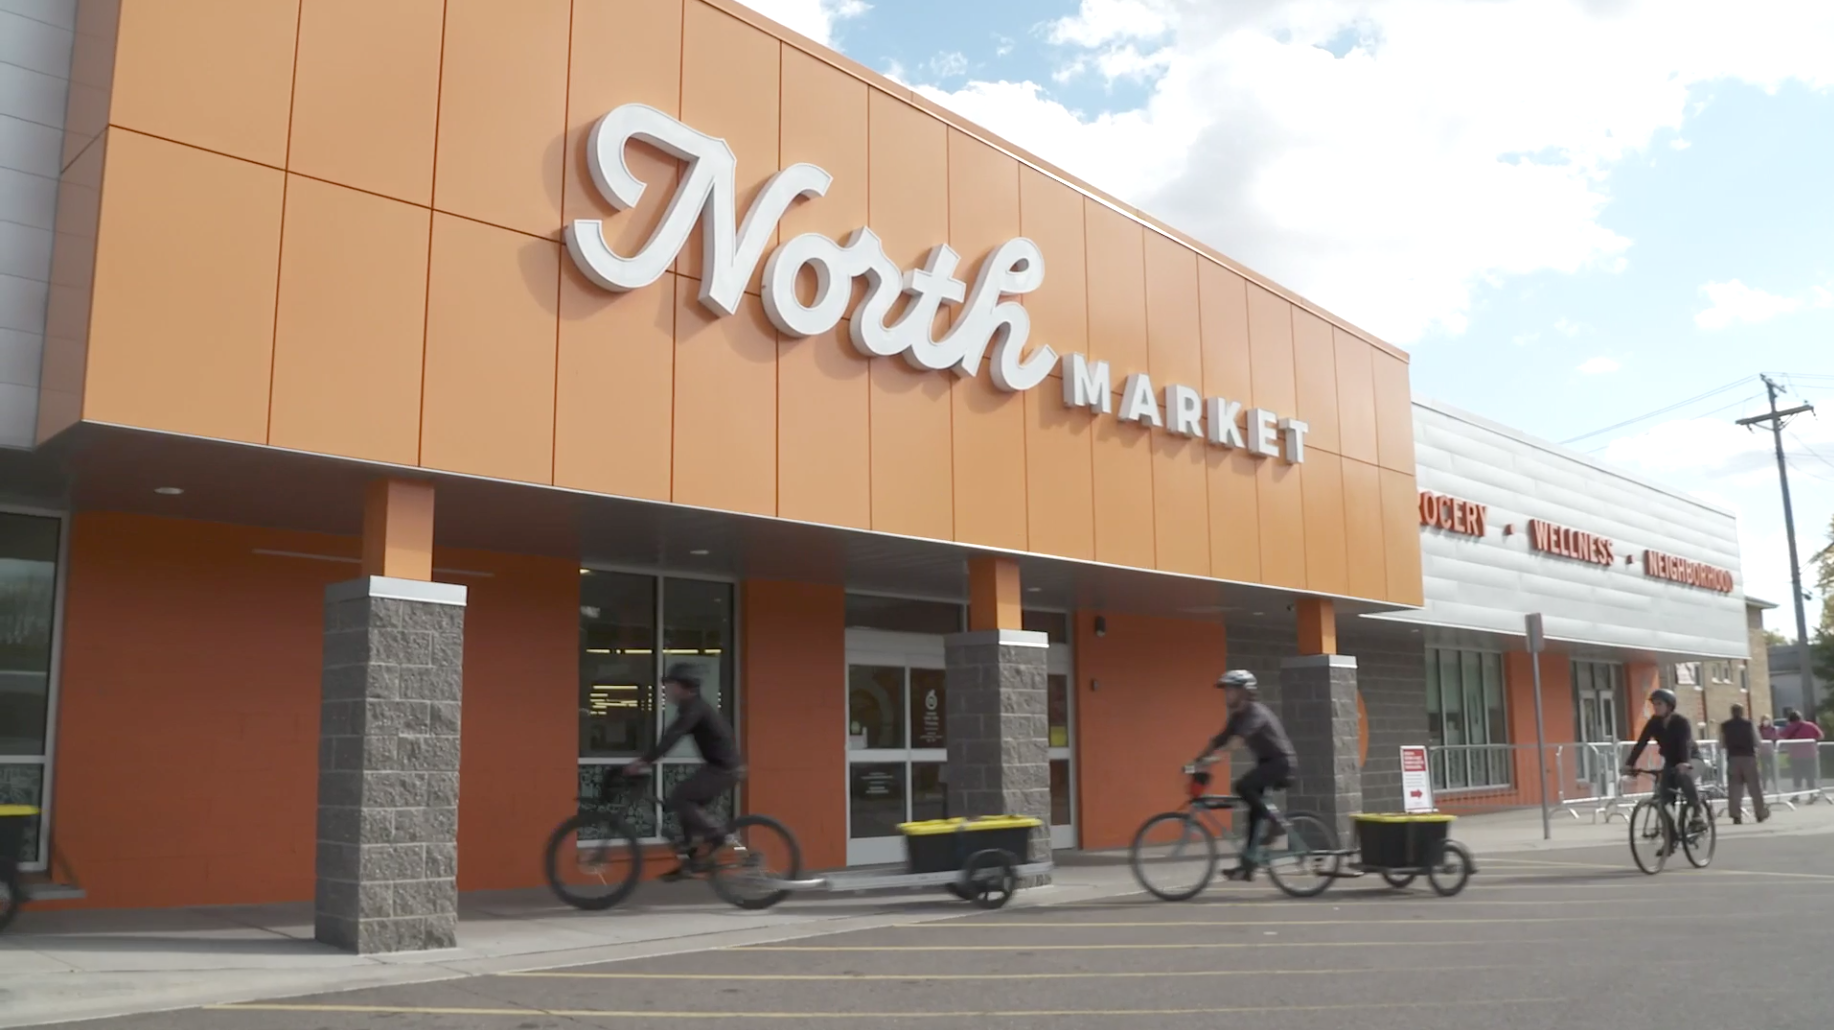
column 1664, row 695
column 683, row 675
column 1241, row 679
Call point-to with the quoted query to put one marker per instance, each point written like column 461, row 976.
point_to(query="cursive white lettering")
column 707, row 193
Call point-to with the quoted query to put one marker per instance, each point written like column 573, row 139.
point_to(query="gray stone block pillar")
column 1318, row 705
column 998, row 732
column 388, row 765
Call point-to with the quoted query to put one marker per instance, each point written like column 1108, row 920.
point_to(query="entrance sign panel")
column 1416, row 782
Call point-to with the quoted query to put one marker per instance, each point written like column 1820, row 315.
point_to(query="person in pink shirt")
column 1802, row 738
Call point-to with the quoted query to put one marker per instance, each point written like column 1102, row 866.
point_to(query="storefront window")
column 28, row 608
column 617, row 665
column 633, row 628
column 1466, row 720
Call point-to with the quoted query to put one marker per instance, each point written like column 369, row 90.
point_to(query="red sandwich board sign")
column 1416, row 781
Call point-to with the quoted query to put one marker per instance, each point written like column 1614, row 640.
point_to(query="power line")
column 1661, row 411
column 1800, row 442
column 1742, row 401
column 1796, row 466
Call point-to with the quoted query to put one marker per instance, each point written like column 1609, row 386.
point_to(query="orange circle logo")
column 1362, row 731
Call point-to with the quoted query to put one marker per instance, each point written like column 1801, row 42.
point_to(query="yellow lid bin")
column 17, row 811
column 930, row 827
column 1418, row 817
column 940, row 845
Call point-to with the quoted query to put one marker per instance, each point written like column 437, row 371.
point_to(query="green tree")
column 1821, row 651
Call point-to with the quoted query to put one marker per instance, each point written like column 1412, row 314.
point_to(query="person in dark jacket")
column 1260, row 731
column 1673, row 736
column 720, row 771
column 1739, row 740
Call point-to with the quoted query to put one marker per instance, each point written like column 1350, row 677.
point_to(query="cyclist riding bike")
column 1674, row 739
column 721, row 770
column 1260, row 731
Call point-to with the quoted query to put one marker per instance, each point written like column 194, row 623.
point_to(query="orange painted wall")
column 1145, row 720
column 1557, row 715
column 188, row 716
column 794, row 647
column 442, row 142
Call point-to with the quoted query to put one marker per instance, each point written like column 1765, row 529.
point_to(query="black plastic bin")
column 941, row 845
column 13, row 822
column 1401, row 841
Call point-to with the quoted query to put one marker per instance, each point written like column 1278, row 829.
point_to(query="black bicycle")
column 1659, row 823
column 594, row 860
column 1175, row 854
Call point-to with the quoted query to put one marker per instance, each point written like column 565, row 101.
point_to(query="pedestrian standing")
column 1801, row 738
column 1767, row 754
column 1738, row 740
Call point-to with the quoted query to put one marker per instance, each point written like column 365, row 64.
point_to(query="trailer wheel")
column 989, row 878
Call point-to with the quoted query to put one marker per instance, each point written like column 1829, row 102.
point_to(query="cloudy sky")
column 1571, row 212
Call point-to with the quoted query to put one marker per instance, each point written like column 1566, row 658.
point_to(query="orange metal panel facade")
column 181, row 327
column 488, row 402
column 725, row 409
column 614, row 389
column 213, row 74
column 366, row 95
column 476, row 115
column 349, row 335
column 1315, row 380
column 502, row 113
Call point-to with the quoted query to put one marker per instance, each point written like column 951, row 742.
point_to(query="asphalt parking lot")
column 1537, row 940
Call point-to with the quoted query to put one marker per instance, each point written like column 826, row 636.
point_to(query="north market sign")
column 987, row 317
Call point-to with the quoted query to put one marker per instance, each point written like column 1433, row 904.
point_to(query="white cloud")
column 1679, row 144
column 1566, row 327
column 1716, row 460
column 1524, row 339
column 1733, row 301
column 1599, row 366
column 813, row 18
column 952, row 64
column 1099, row 22
column 1435, row 154
column 1005, row 46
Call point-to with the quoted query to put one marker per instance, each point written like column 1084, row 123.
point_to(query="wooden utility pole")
column 1774, row 421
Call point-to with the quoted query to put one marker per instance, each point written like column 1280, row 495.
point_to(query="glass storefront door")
column 897, row 741
column 29, row 547
column 1598, row 698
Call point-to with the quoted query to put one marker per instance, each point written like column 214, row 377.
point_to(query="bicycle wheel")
column 1173, row 856
column 593, row 861
column 758, row 852
column 1399, row 881
column 1649, row 839
column 1699, row 839
column 1453, row 870
column 1305, row 866
column 12, row 896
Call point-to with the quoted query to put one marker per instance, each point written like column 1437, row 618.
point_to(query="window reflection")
column 1057, row 706
column 617, row 684
column 697, row 632
column 28, row 603
column 875, row 707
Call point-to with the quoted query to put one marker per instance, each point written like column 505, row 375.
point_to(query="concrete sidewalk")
column 72, row 965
